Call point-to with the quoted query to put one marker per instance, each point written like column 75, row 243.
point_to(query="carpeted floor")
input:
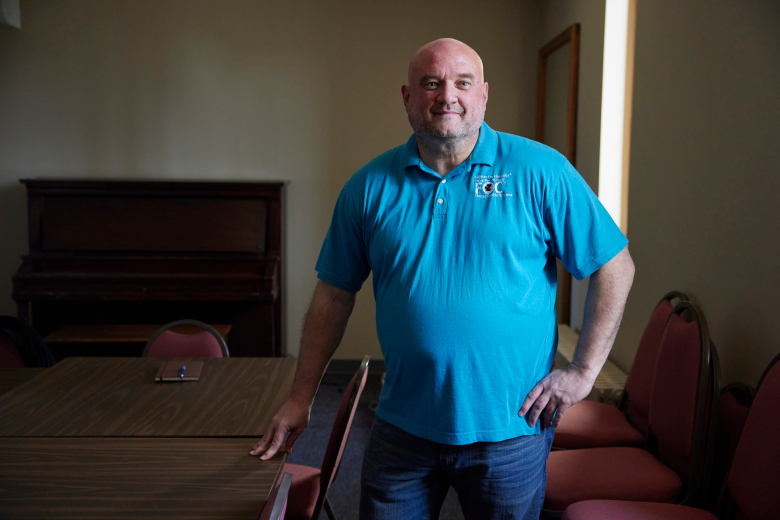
column 344, row 494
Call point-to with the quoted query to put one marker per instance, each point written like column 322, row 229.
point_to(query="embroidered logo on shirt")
column 491, row 186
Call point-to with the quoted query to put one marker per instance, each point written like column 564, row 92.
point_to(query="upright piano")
column 155, row 251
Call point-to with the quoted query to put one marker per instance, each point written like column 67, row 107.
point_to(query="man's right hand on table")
column 293, row 417
column 323, row 329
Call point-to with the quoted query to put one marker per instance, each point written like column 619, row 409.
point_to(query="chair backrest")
column 754, row 480
column 682, row 405
column 340, row 432
column 168, row 344
column 20, row 340
column 733, row 407
column 639, row 385
column 9, row 354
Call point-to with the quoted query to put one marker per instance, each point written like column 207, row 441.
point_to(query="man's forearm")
column 323, row 329
column 607, row 294
column 560, row 389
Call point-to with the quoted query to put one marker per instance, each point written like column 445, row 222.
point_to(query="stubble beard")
column 437, row 137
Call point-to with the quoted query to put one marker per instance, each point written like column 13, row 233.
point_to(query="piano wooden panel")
column 133, row 252
column 118, row 223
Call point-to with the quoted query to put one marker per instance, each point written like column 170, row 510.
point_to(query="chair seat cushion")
column 304, row 490
column 589, row 424
column 620, row 510
column 608, row 474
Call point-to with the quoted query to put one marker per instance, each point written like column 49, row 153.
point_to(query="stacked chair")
column 590, row 424
column 751, row 488
column 674, row 463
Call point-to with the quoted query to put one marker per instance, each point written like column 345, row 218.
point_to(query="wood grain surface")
column 83, row 478
column 10, row 378
column 110, row 397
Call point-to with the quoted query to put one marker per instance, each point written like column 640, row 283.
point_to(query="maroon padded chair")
column 751, row 491
column 308, row 495
column 276, row 507
column 733, row 407
column 590, row 424
column 753, row 486
column 680, row 435
column 168, row 344
column 9, row 353
column 621, row 510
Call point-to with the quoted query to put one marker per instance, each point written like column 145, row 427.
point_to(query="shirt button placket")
column 440, row 204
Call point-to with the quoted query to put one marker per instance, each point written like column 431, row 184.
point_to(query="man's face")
column 446, row 96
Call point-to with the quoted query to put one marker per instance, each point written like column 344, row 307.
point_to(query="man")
column 461, row 227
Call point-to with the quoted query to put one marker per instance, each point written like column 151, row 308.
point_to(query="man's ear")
column 485, row 94
column 405, row 93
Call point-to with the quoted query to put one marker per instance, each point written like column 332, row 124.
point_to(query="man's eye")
column 464, row 84
column 430, row 84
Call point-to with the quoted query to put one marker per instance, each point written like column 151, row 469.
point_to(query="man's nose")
column 448, row 95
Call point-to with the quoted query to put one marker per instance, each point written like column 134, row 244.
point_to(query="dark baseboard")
column 350, row 366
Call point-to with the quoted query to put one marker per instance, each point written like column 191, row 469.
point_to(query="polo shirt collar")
column 486, row 147
column 484, row 151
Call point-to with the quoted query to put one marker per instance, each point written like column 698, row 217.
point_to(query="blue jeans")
column 406, row 477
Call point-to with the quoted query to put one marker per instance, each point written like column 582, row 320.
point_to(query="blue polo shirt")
column 465, row 277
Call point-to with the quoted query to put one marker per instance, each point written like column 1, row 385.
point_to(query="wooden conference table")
column 98, row 438
column 10, row 378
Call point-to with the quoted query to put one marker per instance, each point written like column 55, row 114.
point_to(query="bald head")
column 446, row 95
column 442, row 49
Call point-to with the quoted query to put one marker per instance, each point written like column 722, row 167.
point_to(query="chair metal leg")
column 328, row 509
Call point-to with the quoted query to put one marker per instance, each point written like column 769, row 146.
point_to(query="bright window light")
column 616, row 108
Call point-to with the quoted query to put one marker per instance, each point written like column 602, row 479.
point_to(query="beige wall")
column 242, row 89
column 703, row 214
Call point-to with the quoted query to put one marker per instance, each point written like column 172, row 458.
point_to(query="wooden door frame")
column 572, row 36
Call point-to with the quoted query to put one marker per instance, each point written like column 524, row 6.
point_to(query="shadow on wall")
column 744, row 345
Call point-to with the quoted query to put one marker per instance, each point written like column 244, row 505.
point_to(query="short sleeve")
column 583, row 234
column 343, row 261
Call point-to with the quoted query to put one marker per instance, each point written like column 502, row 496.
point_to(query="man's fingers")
column 292, row 417
column 258, row 447
column 536, row 409
column 275, row 444
column 262, row 444
column 291, row 439
column 559, row 415
column 531, row 398
column 549, row 412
